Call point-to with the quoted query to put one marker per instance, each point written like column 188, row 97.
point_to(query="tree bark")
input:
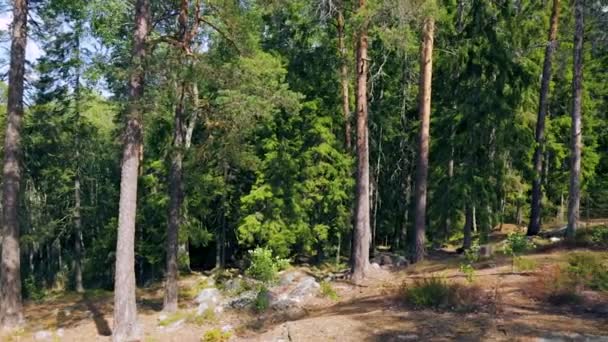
column 126, row 327
column 175, row 203
column 422, row 164
column 576, row 138
column 344, row 80
column 468, row 226
column 77, row 234
column 360, row 259
column 534, row 226
column 11, row 307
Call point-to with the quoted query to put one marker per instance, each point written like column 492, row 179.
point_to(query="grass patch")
column 328, row 291
column 524, row 264
column 189, row 317
column 439, row 294
column 216, row 335
column 262, row 300
column 193, row 291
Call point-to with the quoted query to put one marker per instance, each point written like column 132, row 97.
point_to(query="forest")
column 149, row 144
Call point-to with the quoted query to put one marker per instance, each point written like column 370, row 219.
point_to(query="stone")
column 401, row 261
column 288, row 278
column 486, row 251
column 243, row 300
column 43, row 335
column 306, row 287
column 375, row 265
column 175, row 325
column 386, row 260
column 233, row 285
column 208, row 299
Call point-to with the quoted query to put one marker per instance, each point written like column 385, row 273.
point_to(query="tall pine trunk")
column 344, row 80
column 535, row 215
column 11, row 307
column 126, row 327
column 468, row 227
column 77, row 233
column 422, row 164
column 175, row 204
column 361, row 242
column 577, row 134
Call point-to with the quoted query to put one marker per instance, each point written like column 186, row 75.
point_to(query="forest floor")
column 373, row 311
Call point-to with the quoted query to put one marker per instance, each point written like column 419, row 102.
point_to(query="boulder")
column 401, row 261
column 375, row 265
column 43, row 335
column 209, row 298
column 233, row 285
column 386, row 260
column 486, row 251
column 306, row 287
column 242, row 301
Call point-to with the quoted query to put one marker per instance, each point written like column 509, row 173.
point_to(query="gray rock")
column 43, row 335
column 233, row 285
column 401, row 261
column 306, row 287
column 386, row 260
column 486, row 251
column 243, row 300
column 209, row 298
column 375, row 265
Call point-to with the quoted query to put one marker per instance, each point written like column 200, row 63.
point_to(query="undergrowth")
column 439, row 294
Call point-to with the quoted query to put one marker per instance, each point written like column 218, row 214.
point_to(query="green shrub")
column 525, row 264
column 32, row 291
column 262, row 300
column 588, row 270
column 599, row 235
column 328, row 291
column 437, row 293
column 216, row 335
column 515, row 245
column 471, row 256
column 264, row 266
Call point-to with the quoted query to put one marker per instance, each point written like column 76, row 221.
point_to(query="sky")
column 33, row 50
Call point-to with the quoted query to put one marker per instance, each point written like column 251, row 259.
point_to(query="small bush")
column 525, row 264
column 437, row 293
column 471, row 256
column 216, row 335
column 588, row 270
column 262, row 300
column 515, row 245
column 264, row 266
column 554, row 285
column 599, row 236
column 328, row 291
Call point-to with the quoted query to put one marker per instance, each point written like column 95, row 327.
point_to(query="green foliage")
column 437, row 293
column 216, row 335
column 525, row 264
column 264, row 266
column 262, row 299
column 471, row 256
column 599, row 235
column 517, row 244
column 589, row 270
column 328, row 291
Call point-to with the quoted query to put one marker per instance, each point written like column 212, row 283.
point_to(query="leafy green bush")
column 262, row 300
column 216, row 335
column 32, row 291
column 599, row 235
column 264, row 266
column 471, row 256
column 437, row 293
column 588, row 270
column 328, row 291
column 515, row 245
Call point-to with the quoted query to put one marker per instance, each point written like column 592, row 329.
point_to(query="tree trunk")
column 468, row 225
column 576, row 139
column 11, row 308
column 534, row 226
column 126, row 327
column 77, row 234
column 175, row 203
column 344, row 81
column 362, row 232
column 422, row 164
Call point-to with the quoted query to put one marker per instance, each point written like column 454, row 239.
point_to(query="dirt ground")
column 372, row 311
